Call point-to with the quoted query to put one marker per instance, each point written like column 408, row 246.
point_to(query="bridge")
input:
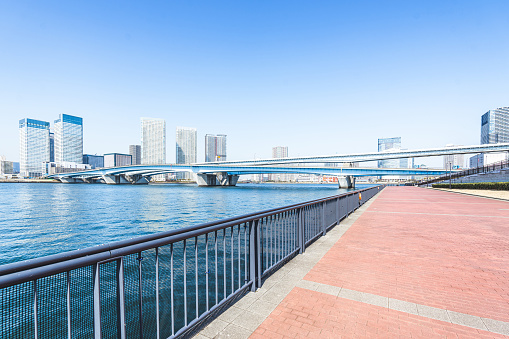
column 362, row 157
column 218, row 174
column 227, row 173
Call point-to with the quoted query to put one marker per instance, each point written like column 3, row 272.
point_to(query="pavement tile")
column 466, row 320
column 234, row 332
column 249, row 320
column 497, row 326
column 433, row 313
column 212, row 329
column 403, row 306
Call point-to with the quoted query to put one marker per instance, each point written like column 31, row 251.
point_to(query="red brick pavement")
column 459, row 262
column 440, row 249
column 310, row 314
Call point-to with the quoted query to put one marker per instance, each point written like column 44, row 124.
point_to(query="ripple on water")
column 43, row 219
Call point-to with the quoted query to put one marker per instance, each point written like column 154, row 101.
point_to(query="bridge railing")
column 162, row 285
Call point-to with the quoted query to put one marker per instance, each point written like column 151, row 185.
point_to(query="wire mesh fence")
column 165, row 285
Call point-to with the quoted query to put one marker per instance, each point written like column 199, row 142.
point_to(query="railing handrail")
column 19, row 272
column 501, row 164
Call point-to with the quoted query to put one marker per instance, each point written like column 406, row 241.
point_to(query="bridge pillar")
column 346, row 181
column 217, row 179
column 68, row 180
column 115, row 179
column 138, row 179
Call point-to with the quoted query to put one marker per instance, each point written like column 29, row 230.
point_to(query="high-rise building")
column 153, row 141
column 51, row 147
column 69, row 139
column 33, row 146
column 135, row 152
column 495, row 126
column 453, row 161
column 215, row 147
column 186, row 151
column 389, row 144
column 95, row 161
column 277, row 153
column 116, row 160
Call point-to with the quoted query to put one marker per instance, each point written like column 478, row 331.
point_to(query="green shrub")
column 500, row 186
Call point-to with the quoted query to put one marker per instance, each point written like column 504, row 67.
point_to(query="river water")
column 38, row 219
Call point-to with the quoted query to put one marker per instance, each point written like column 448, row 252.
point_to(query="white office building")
column 153, row 141
column 68, row 139
column 34, row 147
column 454, row 161
column 279, row 152
column 186, row 152
column 215, row 147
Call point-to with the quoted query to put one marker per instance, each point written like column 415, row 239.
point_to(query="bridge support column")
column 68, row 180
column 138, row 179
column 346, row 181
column 217, row 179
column 115, row 179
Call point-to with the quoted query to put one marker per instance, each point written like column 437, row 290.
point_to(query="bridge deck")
column 412, row 263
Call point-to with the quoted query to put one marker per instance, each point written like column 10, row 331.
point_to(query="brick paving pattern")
column 432, row 248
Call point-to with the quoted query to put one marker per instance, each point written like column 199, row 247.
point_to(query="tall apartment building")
column 454, row 160
column 495, row 126
column 34, row 146
column 135, row 152
column 277, row 153
column 215, row 147
column 153, row 141
column 186, row 152
column 68, row 139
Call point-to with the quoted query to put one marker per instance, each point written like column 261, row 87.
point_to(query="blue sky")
column 321, row 77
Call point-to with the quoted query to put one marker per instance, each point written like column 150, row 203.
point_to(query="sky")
column 321, row 77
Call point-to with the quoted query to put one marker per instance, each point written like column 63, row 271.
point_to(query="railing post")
column 121, row 333
column 300, row 226
column 97, row 303
column 253, row 255
column 337, row 210
column 324, row 226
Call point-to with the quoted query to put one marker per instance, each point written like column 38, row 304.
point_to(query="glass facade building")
column 95, row 161
column 34, row 146
column 51, row 147
column 135, row 152
column 387, row 144
column 186, row 148
column 495, row 126
column 68, row 139
column 215, row 147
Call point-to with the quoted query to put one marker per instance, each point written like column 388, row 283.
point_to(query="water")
column 43, row 219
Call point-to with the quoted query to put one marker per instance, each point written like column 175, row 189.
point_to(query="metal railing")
column 162, row 285
column 455, row 175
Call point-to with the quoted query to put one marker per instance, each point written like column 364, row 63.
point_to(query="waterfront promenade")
column 412, row 262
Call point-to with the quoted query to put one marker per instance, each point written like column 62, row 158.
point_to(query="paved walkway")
column 504, row 195
column 412, row 262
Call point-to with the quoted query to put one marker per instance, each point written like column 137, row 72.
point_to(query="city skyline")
column 311, row 77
